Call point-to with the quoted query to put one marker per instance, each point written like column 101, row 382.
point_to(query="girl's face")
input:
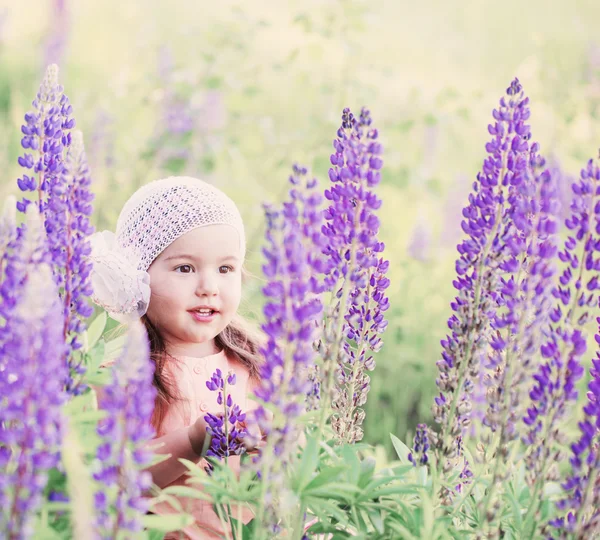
column 201, row 270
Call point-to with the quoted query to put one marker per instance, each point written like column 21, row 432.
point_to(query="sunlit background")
column 236, row 92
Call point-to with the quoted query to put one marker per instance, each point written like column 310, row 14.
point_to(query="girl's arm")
column 184, row 443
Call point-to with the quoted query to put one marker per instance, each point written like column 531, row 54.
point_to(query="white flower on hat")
column 118, row 286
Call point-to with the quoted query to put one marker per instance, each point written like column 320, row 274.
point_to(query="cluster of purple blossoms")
column 292, row 316
column 419, row 454
column 58, row 172
column 582, row 486
column 122, row 456
column 565, row 343
column 524, row 300
column 355, row 272
column 31, row 392
column 226, row 434
column 483, row 258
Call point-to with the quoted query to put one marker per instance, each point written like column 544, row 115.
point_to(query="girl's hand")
column 197, row 435
column 254, row 438
column 199, row 438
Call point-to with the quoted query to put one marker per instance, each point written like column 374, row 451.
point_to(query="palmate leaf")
column 326, row 476
column 324, row 509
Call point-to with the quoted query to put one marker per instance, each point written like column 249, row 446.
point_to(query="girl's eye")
column 184, row 266
column 227, row 269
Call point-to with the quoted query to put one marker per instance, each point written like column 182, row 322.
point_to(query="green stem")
column 331, row 357
column 508, row 381
column 352, row 385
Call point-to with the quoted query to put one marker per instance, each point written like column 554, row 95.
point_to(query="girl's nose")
column 207, row 285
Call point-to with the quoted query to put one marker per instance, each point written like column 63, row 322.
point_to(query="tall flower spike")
column 355, row 272
column 71, row 263
column 555, row 381
column 522, row 320
column 292, row 315
column 46, row 133
column 524, row 299
column 482, row 255
column 61, row 179
column 582, row 487
column 125, row 434
column 32, row 374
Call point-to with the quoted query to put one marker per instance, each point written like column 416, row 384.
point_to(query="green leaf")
column 352, row 462
column 166, row 523
column 368, row 492
column 324, row 477
column 367, row 468
column 308, row 464
column 248, row 529
column 401, row 449
column 114, row 346
column 186, row 491
column 402, row 531
column 155, row 535
column 516, row 509
column 95, row 330
column 396, row 490
column 342, row 491
column 323, row 508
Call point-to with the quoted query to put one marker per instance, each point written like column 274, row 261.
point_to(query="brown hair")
column 237, row 339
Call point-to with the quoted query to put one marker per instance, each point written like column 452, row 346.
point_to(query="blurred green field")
column 235, row 92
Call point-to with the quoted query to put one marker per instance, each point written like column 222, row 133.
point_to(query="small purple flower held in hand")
column 226, row 433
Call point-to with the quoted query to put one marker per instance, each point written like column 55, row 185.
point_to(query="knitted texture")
column 160, row 212
column 154, row 216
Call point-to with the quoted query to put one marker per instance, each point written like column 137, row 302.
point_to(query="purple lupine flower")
column 226, row 433
column 46, row 133
column 61, row 179
column 524, row 298
column 292, row 316
column 355, row 272
column 419, row 454
column 71, row 260
column 58, row 33
column 32, row 374
column 565, row 344
column 465, row 470
column 563, row 181
column 582, row 487
column 125, row 433
column 487, row 223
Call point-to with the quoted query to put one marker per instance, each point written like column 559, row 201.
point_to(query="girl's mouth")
column 204, row 315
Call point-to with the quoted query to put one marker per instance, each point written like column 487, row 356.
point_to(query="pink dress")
column 190, row 377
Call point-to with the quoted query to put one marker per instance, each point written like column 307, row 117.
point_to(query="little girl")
column 176, row 263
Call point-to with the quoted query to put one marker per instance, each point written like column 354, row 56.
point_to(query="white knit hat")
column 154, row 216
